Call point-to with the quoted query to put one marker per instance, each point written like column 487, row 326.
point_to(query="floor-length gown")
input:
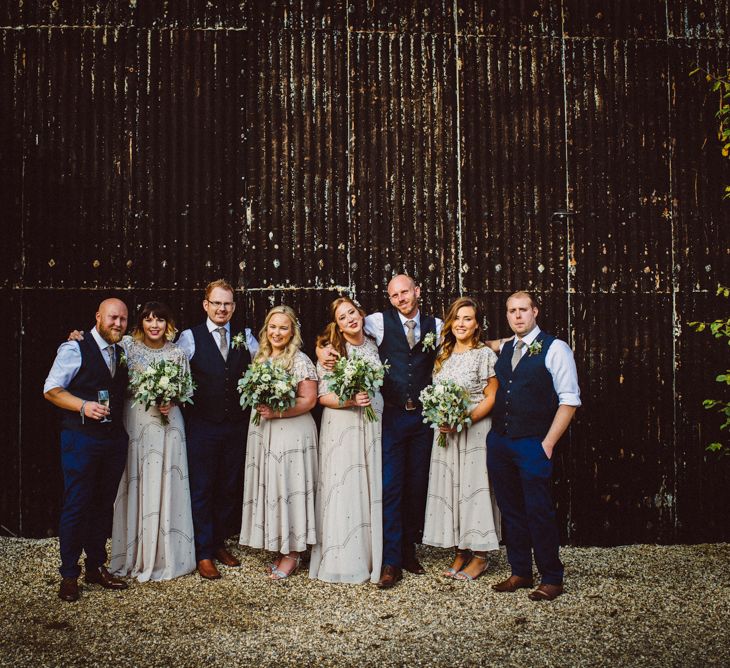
column 460, row 509
column 349, row 503
column 152, row 533
column 280, row 478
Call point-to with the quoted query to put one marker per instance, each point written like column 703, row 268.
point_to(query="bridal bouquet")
column 445, row 403
column 356, row 374
column 268, row 384
column 161, row 382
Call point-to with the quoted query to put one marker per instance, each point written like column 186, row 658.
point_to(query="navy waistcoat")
column 526, row 400
column 92, row 376
column 216, row 397
column 410, row 369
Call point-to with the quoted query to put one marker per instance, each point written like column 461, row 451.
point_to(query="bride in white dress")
column 152, row 533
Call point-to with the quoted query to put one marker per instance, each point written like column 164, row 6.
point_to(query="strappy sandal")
column 274, row 564
column 451, row 571
column 465, row 577
column 278, row 574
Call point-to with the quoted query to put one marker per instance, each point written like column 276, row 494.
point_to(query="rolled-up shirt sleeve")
column 65, row 366
column 186, row 343
column 374, row 327
column 252, row 343
column 560, row 362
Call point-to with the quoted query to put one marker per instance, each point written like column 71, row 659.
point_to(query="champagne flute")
column 103, row 399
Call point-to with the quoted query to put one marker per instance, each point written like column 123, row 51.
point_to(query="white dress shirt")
column 560, row 363
column 68, row 362
column 187, row 340
column 375, row 327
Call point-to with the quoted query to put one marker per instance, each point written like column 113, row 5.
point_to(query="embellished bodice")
column 470, row 369
column 139, row 356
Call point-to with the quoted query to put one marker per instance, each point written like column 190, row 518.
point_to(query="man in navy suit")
column 537, row 397
column 93, row 445
column 215, row 425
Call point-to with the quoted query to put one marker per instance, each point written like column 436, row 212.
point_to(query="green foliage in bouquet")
column 356, row 374
column 445, row 404
column 161, row 382
column 268, row 384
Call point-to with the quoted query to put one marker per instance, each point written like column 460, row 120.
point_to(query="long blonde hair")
column 286, row 359
column 448, row 340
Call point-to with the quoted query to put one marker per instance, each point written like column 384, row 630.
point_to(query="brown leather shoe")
column 69, row 590
column 207, row 570
column 389, row 576
column 545, row 592
column 226, row 558
column 513, row 583
column 412, row 565
column 101, row 576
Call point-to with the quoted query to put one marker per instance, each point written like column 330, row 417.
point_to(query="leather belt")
column 411, row 405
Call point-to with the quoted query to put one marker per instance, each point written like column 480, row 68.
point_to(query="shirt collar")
column 212, row 327
column 404, row 320
column 103, row 345
column 529, row 338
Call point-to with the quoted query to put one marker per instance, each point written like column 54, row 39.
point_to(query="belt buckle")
column 411, row 405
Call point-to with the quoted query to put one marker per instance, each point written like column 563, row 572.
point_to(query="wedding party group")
column 428, row 434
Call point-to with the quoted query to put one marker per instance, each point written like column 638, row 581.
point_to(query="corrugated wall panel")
column 618, row 155
column 403, row 167
column 699, row 176
column 296, row 161
column 510, row 18
column 12, row 113
column 512, row 116
column 304, row 147
column 619, row 19
column 703, row 18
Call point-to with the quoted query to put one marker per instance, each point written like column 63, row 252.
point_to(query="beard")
column 109, row 335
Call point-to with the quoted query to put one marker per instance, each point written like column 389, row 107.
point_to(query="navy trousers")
column 407, row 445
column 216, row 453
column 521, row 475
column 92, row 468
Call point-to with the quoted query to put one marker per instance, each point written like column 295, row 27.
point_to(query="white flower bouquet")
column 161, row 382
column 445, row 404
column 356, row 374
column 268, row 384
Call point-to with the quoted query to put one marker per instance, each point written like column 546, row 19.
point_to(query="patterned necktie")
column 517, row 353
column 223, row 343
column 112, row 361
column 411, row 333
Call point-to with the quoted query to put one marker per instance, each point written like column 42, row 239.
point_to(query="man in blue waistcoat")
column 400, row 333
column 93, row 444
column 215, row 425
column 536, row 400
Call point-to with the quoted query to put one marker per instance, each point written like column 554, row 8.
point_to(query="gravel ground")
column 640, row 605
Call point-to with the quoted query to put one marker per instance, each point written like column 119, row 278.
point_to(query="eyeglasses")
column 226, row 305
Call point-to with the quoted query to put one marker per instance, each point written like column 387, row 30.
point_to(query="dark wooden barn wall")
column 302, row 148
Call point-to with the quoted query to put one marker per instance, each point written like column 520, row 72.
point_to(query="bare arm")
column 484, row 407
column 62, row 398
column 305, row 401
column 331, row 400
column 560, row 423
column 327, row 356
